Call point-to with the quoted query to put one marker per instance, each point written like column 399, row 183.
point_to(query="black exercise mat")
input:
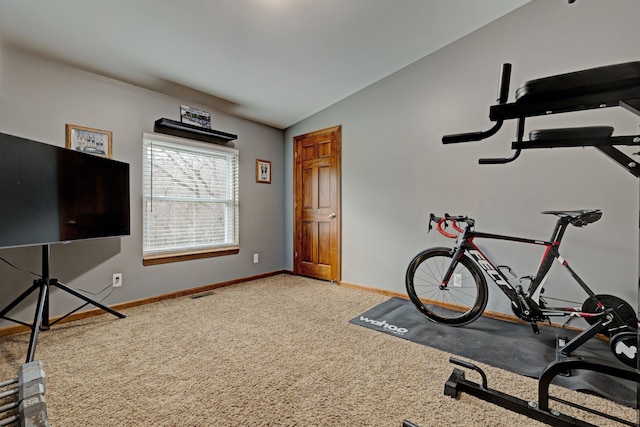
column 510, row 346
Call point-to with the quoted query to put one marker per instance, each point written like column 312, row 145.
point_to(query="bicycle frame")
column 605, row 314
column 521, row 302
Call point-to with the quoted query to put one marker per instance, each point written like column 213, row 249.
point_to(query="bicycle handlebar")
column 454, row 220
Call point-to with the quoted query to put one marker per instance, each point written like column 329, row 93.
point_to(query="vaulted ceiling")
column 272, row 61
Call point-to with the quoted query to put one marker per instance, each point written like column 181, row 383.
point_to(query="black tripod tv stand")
column 41, row 319
column 50, row 195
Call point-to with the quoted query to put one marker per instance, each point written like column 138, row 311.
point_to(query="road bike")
column 449, row 286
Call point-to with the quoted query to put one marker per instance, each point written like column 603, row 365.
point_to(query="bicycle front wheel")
column 458, row 303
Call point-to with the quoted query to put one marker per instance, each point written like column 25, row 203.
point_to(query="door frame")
column 336, row 272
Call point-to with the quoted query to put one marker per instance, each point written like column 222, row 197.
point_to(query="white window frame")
column 172, row 251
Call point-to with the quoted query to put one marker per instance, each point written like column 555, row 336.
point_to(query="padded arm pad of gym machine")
column 589, row 82
column 597, row 87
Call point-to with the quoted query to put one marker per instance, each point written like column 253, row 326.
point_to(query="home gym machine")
column 609, row 86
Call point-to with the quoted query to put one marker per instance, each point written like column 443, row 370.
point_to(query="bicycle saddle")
column 578, row 218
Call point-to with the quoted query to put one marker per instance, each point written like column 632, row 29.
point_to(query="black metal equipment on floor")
column 457, row 383
column 540, row 410
column 615, row 85
column 41, row 318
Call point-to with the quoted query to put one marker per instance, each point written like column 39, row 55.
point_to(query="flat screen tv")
column 52, row 194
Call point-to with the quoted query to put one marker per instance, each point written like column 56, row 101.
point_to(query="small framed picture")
column 263, row 171
column 88, row 140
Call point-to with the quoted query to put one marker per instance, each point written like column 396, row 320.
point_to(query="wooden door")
column 317, row 231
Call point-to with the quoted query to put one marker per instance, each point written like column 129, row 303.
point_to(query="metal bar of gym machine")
column 457, row 383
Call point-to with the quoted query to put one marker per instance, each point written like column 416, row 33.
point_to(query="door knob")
column 332, row 215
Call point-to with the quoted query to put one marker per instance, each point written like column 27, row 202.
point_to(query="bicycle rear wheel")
column 460, row 302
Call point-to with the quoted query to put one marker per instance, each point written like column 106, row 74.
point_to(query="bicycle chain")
column 545, row 297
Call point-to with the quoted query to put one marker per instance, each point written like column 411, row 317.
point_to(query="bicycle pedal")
column 535, row 328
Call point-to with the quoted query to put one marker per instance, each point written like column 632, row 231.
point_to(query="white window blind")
column 190, row 193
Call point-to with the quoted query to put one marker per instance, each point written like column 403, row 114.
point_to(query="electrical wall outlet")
column 255, row 258
column 117, row 280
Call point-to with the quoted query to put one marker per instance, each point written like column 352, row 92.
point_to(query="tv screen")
column 52, row 194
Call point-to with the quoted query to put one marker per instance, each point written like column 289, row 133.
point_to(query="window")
column 190, row 196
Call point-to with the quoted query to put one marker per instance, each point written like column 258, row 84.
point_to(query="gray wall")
column 37, row 98
column 395, row 170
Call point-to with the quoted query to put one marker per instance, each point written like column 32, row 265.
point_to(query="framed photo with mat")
column 89, row 140
column 263, row 171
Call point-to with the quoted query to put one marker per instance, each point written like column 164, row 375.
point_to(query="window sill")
column 186, row 256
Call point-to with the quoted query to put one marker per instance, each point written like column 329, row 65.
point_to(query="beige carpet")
column 273, row 352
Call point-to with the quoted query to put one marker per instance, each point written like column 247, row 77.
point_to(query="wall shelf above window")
column 184, row 130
